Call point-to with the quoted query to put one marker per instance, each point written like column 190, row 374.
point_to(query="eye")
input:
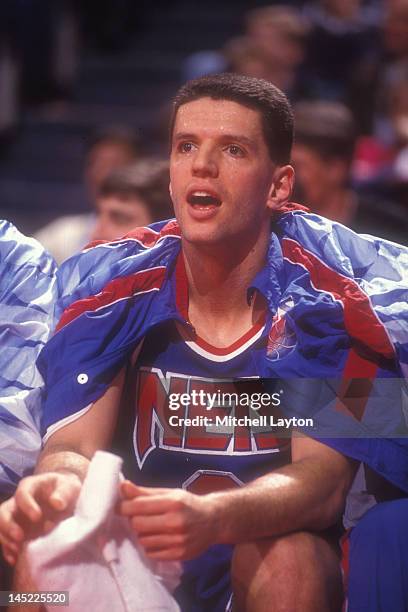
column 235, row 150
column 185, row 147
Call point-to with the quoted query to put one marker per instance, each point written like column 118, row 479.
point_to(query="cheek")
column 250, row 187
column 176, row 182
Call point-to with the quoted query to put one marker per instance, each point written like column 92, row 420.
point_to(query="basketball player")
column 194, row 306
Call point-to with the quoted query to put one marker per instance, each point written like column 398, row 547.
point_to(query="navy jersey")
column 174, row 363
column 178, row 445
column 334, row 299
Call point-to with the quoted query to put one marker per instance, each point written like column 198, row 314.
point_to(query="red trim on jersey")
column 182, row 307
column 181, row 287
column 290, row 207
column 145, row 235
column 359, row 318
column 222, row 352
column 117, row 289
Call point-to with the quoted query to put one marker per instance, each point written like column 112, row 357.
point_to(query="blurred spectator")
column 108, row 149
column 41, row 36
column 280, row 32
column 273, row 48
column 133, row 196
column 393, row 69
column 244, row 56
column 381, row 165
column 373, row 79
column 343, row 37
column 395, row 28
column 322, row 156
column 383, row 156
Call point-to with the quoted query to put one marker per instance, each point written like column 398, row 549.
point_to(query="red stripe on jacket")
column 360, row 320
column 115, row 290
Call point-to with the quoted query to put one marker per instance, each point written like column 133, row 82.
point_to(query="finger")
column 25, row 497
column 65, row 494
column 146, row 506
column 167, row 554
column 150, row 524
column 10, row 547
column 155, row 543
column 10, row 554
column 130, row 489
column 9, row 527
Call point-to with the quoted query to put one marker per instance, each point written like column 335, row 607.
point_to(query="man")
column 322, row 157
column 108, row 149
column 194, row 306
column 132, row 196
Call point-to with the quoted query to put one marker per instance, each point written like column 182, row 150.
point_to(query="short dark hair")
column 328, row 128
column 147, row 179
column 257, row 94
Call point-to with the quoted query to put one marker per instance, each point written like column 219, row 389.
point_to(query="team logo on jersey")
column 281, row 339
column 154, row 427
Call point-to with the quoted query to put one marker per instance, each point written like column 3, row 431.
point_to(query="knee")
column 296, row 572
column 264, row 571
column 284, row 554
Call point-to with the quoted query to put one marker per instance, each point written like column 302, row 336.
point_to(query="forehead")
column 110, row 149
column 218, row 117
column 116, row 202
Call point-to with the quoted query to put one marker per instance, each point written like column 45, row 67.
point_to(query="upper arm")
column 94, row 429
column 333, row 462
column 333, row 471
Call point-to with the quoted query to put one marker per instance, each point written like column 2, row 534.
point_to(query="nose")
column 205, row 162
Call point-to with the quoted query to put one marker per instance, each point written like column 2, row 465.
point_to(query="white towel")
column 94, row 554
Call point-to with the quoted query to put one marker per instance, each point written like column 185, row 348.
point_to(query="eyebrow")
column 223, row 138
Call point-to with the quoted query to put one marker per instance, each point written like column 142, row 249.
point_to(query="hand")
column 39, row 502
column 171, row 524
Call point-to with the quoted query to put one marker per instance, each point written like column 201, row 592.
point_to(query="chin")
column 201, row 235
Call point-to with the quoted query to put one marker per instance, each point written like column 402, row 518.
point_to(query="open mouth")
column 203, row 198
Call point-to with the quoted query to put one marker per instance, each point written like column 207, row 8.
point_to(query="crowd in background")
column 342, row 63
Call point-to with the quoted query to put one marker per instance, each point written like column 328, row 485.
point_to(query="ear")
column 281, row 187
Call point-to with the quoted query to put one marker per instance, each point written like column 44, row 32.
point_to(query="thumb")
column 65, row 493
column 128, row 489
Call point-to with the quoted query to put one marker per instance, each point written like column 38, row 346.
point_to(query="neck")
column 218, row 278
